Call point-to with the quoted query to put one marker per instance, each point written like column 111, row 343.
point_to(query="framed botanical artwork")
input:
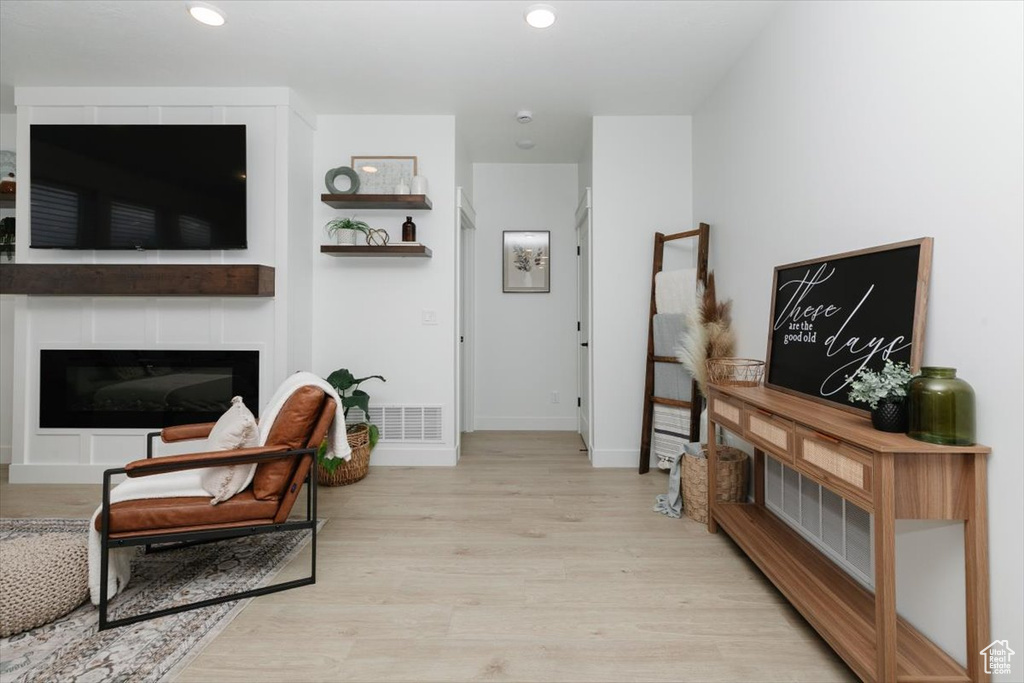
column 382, row 174
column 526, row 261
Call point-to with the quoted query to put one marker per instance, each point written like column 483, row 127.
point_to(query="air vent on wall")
column 402, row 422
column 836, row 526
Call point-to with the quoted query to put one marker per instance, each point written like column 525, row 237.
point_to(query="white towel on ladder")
column 675, row 291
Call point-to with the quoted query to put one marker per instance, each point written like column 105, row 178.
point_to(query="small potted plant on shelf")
column 345, row 229
column 885, row 392
column 362, row 436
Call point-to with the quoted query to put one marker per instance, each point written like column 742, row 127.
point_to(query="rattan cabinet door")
column 726, row 412
column 836, row 465
column 769, row 433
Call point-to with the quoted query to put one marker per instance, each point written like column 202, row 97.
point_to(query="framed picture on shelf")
column 383, row 174
column 526, row 261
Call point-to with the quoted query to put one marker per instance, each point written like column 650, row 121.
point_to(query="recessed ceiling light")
column 540, row 16
column 525, row 144
column 206, row 13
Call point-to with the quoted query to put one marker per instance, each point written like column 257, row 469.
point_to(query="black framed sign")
column 834, row 315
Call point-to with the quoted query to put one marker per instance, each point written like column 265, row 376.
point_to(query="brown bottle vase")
column 408, row 230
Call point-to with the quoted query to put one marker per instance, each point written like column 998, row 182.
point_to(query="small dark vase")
column 890, row 415
column 408, row 230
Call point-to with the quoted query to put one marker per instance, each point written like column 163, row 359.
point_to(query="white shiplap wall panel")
column 116, row 449
column 190, row 115
column 187, row 321
column 245, row 321
column 56, row 448
column 163, row 323
column 55, row 321
column 69, row 115
column 262, row 187
column 118, row 321
column 122, row 115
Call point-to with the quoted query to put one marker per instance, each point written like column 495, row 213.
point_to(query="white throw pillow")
column 236, row 428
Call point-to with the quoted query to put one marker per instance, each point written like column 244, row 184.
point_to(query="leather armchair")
column 284, row 464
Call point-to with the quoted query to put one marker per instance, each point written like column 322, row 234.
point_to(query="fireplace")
column 143, row 389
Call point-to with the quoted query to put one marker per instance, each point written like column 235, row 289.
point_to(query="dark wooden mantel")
column 67, row 279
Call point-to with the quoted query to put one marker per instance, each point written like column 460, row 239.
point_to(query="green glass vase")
column 941, row 408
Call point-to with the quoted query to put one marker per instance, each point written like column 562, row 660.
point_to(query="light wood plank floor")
column 521, row 564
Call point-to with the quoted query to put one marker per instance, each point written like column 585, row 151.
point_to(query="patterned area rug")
column 71, row 648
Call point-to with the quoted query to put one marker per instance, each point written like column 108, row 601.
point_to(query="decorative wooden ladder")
column 696, row 404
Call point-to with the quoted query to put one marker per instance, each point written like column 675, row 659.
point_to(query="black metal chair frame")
column 190, row 538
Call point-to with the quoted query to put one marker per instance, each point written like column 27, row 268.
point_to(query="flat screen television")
column 138, row 187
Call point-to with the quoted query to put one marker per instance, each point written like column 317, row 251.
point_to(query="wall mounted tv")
column 138, row 187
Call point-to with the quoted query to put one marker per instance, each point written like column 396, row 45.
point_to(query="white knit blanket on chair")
column 186, row 484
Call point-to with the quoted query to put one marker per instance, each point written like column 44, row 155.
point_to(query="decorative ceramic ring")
column 378, row 237
column 347, row 172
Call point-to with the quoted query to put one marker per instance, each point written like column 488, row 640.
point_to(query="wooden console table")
column 891, row 476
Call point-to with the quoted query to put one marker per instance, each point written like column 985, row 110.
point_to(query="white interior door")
column 466, row 273
column 583, row 288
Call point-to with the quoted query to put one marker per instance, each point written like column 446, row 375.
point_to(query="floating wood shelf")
column 396, row 250
column 67, row 279
column 377, row 201
column 7, row 201
column 852, row 632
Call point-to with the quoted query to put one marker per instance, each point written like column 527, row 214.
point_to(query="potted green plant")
column 885, row 393
column 362, row 437
column 345, row 229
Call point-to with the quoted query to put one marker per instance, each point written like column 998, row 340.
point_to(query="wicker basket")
column 355, row 469
column 737, row 372
column 731, row 483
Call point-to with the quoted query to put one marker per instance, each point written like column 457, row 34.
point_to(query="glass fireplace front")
column 148, row 389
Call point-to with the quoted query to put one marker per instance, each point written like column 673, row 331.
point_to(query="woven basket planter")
column 355, row 469
column 731, row 482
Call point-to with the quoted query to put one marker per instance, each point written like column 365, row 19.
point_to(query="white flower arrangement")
column 868, row 386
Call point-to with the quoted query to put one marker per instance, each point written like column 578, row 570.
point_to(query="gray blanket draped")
column 671, row 503
column 670, row 380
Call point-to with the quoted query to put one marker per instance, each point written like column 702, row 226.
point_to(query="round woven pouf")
column 41, row 578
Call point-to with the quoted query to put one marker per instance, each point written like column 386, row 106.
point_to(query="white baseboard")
column 617, row 457
column 59, row 474
column 385, row 456
column 526, row 424
column 382, row 456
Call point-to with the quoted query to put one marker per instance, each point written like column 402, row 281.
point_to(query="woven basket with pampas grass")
column 708, row 333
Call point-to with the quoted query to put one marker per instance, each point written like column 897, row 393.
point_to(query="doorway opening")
column 584, row 354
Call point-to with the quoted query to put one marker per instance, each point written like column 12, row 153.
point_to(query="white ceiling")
column 476, row 59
